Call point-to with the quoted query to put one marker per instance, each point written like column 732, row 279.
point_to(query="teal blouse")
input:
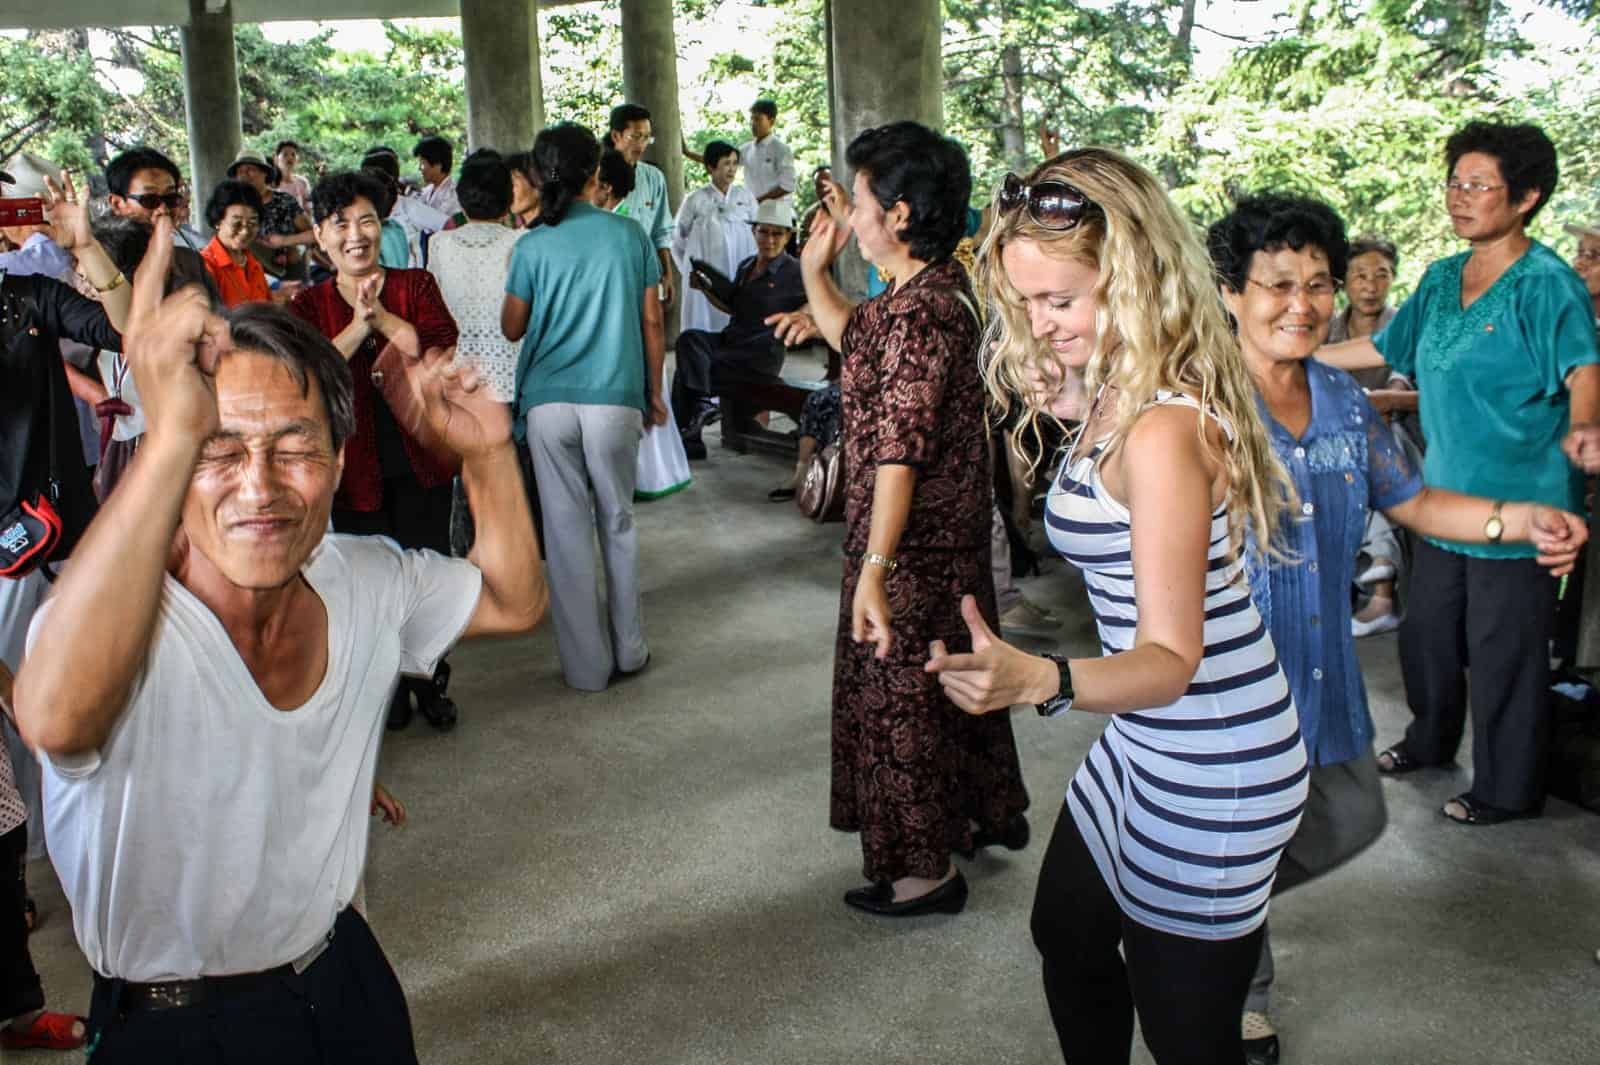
column 1492, row 381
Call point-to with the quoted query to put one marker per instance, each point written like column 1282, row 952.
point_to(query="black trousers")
column 20, row 991
column 705, row 364
column 1189, row 992
column 346, row 1009
column 1496, row 615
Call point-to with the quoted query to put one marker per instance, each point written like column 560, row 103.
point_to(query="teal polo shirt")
column 1492, row 381
column 584, row 281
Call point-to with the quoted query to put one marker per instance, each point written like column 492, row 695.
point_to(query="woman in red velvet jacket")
column 392, row 486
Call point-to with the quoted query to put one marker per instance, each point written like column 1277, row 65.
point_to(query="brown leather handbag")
column 821, row 495
column 398, row 376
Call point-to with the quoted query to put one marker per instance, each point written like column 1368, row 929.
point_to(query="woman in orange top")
column 234, row 212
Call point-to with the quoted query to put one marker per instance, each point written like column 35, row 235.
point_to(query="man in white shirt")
column 768, row 162
column 631, row 134
column 434, row 159
column 207, row 782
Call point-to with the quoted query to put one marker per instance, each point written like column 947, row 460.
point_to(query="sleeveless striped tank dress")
column 1185, row 808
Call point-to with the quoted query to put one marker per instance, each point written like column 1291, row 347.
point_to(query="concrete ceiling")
column 63, row 14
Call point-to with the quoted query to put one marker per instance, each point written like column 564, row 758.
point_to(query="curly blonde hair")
column 1160, row 327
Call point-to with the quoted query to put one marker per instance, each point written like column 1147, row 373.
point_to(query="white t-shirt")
column 471, row 264
column 214, row 833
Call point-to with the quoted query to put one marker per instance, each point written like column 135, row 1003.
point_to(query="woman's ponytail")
column 565, row 156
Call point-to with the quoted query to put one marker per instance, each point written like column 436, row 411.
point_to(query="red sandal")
column 49, row 1031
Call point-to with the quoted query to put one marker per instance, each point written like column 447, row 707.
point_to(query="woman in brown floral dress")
column 917, row 778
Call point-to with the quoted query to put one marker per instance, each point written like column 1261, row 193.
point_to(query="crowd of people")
column 357, row 425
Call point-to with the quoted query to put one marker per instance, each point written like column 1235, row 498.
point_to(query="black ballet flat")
column 1014, row 837
column 949, row 897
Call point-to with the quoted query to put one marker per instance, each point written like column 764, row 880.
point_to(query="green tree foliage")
column 1353, row 104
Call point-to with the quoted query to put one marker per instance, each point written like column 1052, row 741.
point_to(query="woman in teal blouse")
column 1501, row 345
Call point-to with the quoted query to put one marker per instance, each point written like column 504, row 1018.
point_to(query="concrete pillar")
column 883, row 66
column 505, row 105
column 210, row 99
column 650, row 79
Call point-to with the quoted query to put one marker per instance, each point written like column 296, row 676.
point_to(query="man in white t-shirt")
column 207, row 782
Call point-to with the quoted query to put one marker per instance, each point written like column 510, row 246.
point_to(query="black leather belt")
column 131, row 997
column 176, row 994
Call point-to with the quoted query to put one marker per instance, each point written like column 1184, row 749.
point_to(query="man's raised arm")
column 108, row 597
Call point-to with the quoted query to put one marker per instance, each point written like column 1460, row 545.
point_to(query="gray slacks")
column 578, row 448
column 1344, row 815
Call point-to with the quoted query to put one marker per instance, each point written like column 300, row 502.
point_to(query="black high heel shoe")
column 948, row 897
column 1013, row 837
column 433, row 704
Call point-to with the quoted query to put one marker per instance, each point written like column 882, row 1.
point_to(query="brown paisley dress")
column 911, row 771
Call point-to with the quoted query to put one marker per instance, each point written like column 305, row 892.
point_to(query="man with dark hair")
column 768, row 162
column 207, row 784
column 631, row 134
column 435, row 158
column 146, row 185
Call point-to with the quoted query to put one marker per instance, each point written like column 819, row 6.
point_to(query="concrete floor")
column 646, row 875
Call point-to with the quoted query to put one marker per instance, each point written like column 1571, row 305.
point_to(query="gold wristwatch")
column 1495, row 527
column 872, row 558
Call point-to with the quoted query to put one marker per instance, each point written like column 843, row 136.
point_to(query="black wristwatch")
column 1061, row 702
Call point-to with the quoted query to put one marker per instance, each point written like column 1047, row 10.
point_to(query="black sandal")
column 1481, row 813
column 1401, row 761
column 30, row 914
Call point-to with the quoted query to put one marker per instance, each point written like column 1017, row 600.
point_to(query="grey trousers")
column 1344, row 815
column 578, row 448
column 1006, row 592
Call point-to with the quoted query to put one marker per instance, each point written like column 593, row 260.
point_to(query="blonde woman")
column 1170, row 837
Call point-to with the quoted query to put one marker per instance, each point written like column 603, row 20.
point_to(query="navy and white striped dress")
column 1185, row 808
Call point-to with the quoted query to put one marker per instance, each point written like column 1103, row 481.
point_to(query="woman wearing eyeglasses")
column 1501, row 344
column 915, row 777
column 1104, row 312
column 234, row 212
column 1280, row 260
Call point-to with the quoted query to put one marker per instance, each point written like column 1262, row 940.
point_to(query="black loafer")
column 694, row 448
column 949, row 897
column 1013, row 837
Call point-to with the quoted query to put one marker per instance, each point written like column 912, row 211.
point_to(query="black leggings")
column 1189, row 992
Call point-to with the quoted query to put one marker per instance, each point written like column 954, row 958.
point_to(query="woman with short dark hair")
column 713, row 226
column 915, row 777
column 1280, row 260
column 1501, row 345
column 582, row 292
column 392, row 484
column 234, row 215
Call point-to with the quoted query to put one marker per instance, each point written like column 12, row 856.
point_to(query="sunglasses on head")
column 152, row 200
column 1051, row 204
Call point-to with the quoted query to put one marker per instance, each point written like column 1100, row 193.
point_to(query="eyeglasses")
column 1470, row 188
column 152, row 200
column 1051, row 204
column 771, row 232
column 639, row 137
column 244, row 225
column 1318, row 288
column 1587, row 254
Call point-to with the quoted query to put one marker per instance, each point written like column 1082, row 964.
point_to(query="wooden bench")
column 741, row 400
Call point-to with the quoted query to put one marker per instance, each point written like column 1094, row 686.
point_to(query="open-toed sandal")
column 1397, row 760
column 1476, row 812
column 30, row 914
column 49, row 1031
